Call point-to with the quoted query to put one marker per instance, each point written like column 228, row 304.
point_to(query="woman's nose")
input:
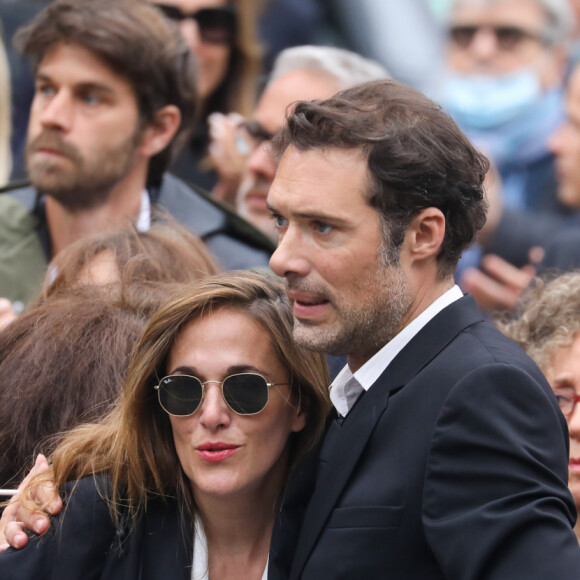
column 214, row 413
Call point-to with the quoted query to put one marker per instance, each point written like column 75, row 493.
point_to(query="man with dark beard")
column 114, row 95
column 447, row 455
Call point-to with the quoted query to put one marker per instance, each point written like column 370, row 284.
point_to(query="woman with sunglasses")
column 222, row 35
column 548, row 329
column 188, row 470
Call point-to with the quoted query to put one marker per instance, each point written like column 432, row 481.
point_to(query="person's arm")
column 496, row 503
column 17, row 522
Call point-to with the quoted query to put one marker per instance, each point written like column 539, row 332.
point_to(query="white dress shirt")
column 144, row 218
column 347, row 386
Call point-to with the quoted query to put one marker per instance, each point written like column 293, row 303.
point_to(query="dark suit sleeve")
column 518, row 231
column 496, row 503
column 75, row 547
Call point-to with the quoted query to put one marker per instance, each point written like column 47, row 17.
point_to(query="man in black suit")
column 447, row 457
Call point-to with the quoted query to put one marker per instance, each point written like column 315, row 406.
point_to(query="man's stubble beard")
column 79, row 184
column 362, row 329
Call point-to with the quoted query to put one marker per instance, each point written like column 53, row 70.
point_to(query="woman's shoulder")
column 77, row 542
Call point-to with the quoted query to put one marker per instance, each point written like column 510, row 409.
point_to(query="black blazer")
column 83, row 543
column 452, row 466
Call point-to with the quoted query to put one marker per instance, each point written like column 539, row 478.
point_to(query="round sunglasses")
column 244, row 393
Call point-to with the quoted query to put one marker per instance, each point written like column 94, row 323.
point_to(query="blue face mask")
column 486, row 102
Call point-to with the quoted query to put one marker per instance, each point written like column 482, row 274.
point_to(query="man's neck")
column 425, row 293
column 66, row 226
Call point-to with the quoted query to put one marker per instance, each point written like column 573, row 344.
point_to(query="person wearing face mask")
column 506, row 61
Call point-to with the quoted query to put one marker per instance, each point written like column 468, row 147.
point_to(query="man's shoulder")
column 234, row 241
column 17, row 202
column 460, row 339
column 22, row 258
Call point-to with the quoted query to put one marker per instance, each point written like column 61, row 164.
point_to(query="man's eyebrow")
column 320, row 216
column 94, row 86
column 83, row 86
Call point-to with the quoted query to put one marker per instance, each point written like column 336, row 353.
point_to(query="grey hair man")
column 299, row 73
column 506, row 61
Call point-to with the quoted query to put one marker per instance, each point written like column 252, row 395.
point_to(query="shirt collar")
column 144, row 218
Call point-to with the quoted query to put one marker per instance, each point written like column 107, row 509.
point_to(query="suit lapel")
column 338, row 463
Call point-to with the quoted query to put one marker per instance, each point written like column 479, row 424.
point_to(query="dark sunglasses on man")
column 216, row 25
column 244, row 393
column 507, row 37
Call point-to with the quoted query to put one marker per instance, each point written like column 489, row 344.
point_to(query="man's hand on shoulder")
column 16, row 521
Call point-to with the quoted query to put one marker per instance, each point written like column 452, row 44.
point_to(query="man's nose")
column 484, row 45
column 58, row 112
column 291, row 254
column 261, row 162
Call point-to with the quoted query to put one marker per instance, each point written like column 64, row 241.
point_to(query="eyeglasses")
column 244, row 393
column 216, row 25
column 507, row 37
column 257, row 132
column 567, row 400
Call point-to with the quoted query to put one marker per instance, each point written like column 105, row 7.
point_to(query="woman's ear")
column 159, row 132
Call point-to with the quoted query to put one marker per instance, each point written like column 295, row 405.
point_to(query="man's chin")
column 316, row 338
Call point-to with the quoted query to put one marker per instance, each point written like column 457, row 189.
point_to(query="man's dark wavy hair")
column 417, row 158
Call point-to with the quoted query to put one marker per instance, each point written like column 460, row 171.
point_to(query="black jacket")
column 84, row 544
column 452, row 466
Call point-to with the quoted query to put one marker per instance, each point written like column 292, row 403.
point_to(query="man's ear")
column 425, row 233
column 159, row 132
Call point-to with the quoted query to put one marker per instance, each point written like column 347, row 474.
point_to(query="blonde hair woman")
column 188, row 470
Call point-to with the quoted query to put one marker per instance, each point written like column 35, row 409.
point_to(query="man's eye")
column 323, row 228
column 91, row 99
column 279, row 221
column 45, row 90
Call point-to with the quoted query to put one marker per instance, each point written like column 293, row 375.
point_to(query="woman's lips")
column 215, row 452
column 574, row 464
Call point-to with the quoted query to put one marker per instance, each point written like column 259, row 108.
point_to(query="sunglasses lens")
column 180, row 395
column 216, row 25
column 508, row 37
column 246, row 394
column 462, row 36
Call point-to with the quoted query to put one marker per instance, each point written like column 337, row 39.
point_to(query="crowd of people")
column 267, row 311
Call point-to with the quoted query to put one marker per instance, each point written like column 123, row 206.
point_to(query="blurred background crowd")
column 505, row 70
